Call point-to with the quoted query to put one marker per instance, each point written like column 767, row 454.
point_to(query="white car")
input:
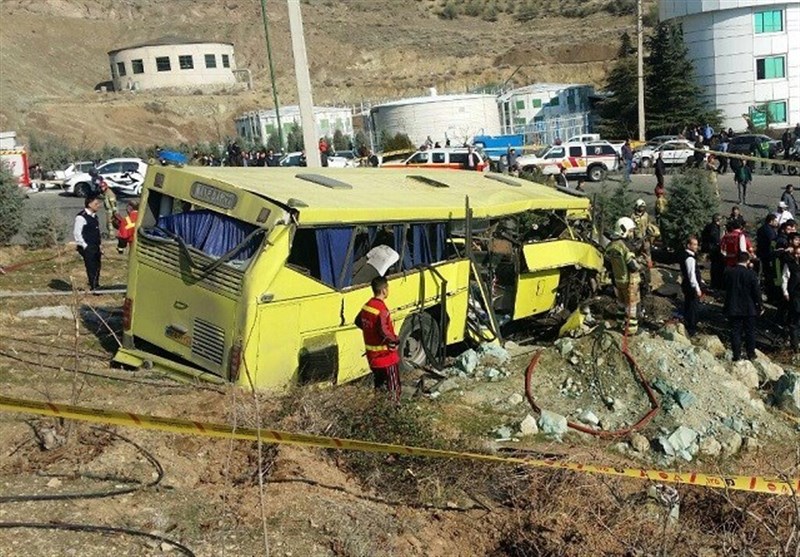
column 592, row 160
column 122, row 175
column 676, row 152
column 75, row 168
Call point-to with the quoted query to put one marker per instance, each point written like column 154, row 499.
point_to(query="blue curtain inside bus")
column 212, row 233
column 332, row 246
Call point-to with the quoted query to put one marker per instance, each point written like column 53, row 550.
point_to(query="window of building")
column 162, row 64
column 555, row 101
column 226, row 61
column 773, row 67
column 121, row 68
column 137, row 66
column 777, row 112
column 537, row 103
column 186, row 62
column 520, row 104
column 769, row 21
column 211, row 61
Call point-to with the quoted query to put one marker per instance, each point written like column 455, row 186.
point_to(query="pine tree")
column 690, row 206
column 672, row 97
column 619, row 114
column 10, row 205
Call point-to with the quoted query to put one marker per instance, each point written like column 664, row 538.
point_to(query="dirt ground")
column 206, row 494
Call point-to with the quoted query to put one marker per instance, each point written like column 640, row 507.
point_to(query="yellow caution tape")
column 756, row 484
column 781, row 162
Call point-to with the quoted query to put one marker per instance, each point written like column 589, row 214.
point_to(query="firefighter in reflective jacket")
column 627, row 278
column 126, row 225
column 380, row 340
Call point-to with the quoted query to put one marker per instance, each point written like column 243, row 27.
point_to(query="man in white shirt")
column 86, row 232
column 783, row 213
column 691, row 286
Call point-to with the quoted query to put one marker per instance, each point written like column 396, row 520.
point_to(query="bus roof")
column 336, row 195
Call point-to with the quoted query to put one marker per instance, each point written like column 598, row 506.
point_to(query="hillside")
column 54, row 52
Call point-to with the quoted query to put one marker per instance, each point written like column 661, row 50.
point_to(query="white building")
column 545, row 112
column 746, row 54
column 440, row 117
column 257, row 126
column 172, row 62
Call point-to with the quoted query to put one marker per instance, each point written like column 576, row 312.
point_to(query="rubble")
column 710, row 343
column 48, row 312
column 528, row 426
column 767, row 371
column 639, row 442
column 467, row 361
column 589, row 417
column 710, row 447
column 515, row 399
column 786, row 393
column 488, row 352
column 745, row 372
column 731, row 443
column 552, row 424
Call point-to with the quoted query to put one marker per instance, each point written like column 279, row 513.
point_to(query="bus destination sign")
column 213, row 196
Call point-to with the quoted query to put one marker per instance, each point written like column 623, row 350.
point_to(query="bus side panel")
column 273, row 347
column 562, row 253
column 536, row 293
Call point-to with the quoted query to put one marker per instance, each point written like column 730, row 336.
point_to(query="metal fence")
column 546, row 132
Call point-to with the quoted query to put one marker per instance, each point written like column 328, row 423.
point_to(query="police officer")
column 86, row 232
column 625, row 270
column 380, row 340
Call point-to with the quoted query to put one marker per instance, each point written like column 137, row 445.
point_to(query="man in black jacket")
column 690, row 284
column 742, row 306
column 790, row 285
column 86, row 232
column 765, row 251
column 711, row 237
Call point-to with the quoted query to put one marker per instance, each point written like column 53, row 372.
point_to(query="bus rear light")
column 127, row 314
column 235, row 360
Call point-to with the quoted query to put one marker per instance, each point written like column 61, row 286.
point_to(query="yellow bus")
column 255, row 276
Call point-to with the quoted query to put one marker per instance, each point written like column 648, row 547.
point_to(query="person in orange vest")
column 127, row 225
column 380, row 340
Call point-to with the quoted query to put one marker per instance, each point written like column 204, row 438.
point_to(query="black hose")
column 72, row 527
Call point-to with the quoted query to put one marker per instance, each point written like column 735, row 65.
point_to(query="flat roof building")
column 172, row 62
column 259, row 125
column 746, row 55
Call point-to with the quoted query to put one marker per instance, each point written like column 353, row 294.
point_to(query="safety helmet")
column 639, row 203
column 624, row 226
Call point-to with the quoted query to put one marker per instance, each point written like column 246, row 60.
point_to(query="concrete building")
column 545, row 112
column 172, row 62
column 257, row 126
column 442, row 117
column 746, row 54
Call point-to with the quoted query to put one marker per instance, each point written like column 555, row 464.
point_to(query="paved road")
column 763, row 196
column 62, row 206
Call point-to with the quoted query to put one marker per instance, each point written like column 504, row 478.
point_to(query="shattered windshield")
column 195, row 229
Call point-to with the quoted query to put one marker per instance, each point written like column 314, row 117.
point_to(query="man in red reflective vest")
column 127, row 225
column 734, row 242
column 380, row 340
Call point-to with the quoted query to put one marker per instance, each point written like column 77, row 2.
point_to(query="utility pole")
column 303, row 85
column 265, row 18
column 640, row 68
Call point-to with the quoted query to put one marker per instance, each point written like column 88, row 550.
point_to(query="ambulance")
column 590, row 160
column 14, row 158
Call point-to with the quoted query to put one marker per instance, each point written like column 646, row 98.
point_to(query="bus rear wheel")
column 418, row 339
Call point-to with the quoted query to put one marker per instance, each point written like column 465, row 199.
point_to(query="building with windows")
column 257, row 126
column 172, row 62
column 545, row 112
column 746, row 55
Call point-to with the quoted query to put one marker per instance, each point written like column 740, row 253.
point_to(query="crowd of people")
column 745, row 272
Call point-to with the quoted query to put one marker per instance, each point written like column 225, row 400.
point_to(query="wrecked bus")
column 255, row 276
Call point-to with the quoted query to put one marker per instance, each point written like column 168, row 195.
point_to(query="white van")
column 592, row 160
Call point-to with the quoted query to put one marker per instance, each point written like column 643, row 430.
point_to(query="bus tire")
column 419, row 337
column 596, row 173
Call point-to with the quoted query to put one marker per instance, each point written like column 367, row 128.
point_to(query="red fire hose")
column 15, row 266
column 654, row 405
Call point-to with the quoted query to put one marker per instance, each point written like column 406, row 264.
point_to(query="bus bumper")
column 140, row 359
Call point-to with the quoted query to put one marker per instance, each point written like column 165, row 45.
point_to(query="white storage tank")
column 440, row 117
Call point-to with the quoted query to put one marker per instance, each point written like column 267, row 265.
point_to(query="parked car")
column 292, row 159
column 595, row 138
column 592, row 160
column 454, row 158
column 675, row 152
column 74, row 168
column 122, row 175
column 747, row 144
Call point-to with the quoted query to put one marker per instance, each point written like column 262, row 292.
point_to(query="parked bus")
column 256, row 276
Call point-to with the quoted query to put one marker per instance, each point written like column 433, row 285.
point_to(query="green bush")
column 10, row 205
column 449, row 11
column 612, row 205
column 690, row 205
column 399, row 142
column 46, row 231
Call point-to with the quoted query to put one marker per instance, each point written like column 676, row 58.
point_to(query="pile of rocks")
column 490, row 362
